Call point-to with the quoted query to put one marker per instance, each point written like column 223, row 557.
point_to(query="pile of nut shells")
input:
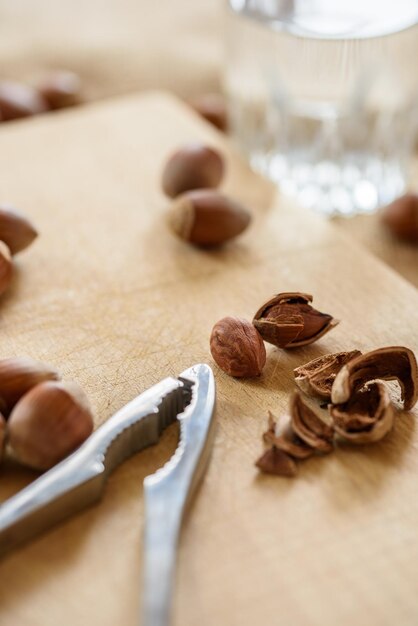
column 360, row 408
column 16, row 234
column 42, row 419
column 200, row 214
column 288, row 320
column 57, row 90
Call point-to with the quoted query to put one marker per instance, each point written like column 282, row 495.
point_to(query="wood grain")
column 109, row 296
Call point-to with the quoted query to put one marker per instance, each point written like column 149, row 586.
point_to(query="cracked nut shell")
column 16, row 230
column 207, row 218
column 193, row 166
column 289, row 321
column 392, row 363
column 401, row 217
column 49, row 423
column 366, row 417
column 282, row 436
column 17, row 376
column 277, row 462
column 309, row 426
column 316, row 377
column 237, row 348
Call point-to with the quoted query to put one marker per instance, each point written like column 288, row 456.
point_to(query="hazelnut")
column 15, row 229
column 237, row 347
column 2, row 435
column 289, row 321
column 6, row 267
column 401, row 217
column 49, row 423
column 17, row 376
column 212, row 107
column 207, row 218
column 18, row 100
column 193, row 166
column 61, row 89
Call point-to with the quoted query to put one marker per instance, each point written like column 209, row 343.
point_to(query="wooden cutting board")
column 111, row 298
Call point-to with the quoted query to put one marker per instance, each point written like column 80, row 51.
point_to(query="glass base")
column 357, row 184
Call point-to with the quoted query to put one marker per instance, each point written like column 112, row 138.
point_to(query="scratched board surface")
column 112, row 299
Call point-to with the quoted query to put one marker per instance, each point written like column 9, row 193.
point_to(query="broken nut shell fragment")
column 289, row 321
column 282, row 436
column 309, row 427
column 275, row 461
column 392, row 363
column 366, row 417
column 317, row 377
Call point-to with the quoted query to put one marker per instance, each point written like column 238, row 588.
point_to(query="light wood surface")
column 109, row 296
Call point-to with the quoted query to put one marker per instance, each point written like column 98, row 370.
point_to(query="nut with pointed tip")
column 48, row 423
column 16, row 230
column 17, row 376
column 207, row 218
column 366, row 417
column 401, row 217
column 61, row 89
column 277, row 462
column 289, row 321
column 18, row 101
column 2, row 436
column 237, row 347
column 194, row 166
column 392, row 363
column 316, row 377
column 6, row 267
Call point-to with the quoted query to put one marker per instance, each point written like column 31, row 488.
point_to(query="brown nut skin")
column 193, row 166
column 49, row 423
column 61, row 89
column 16, row 230
column 18, row 101
column 6, row 267
column 207, row 218
column 401, row 217
column 366, row 417
column 237, row 348
column 212, row 107
column 17, row 376
column 289, row 321
column 2, row 436
column 391, row 363
column 316, row 377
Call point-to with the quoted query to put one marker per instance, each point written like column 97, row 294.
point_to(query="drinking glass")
column 323, row 96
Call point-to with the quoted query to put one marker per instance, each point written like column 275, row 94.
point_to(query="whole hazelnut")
column 401, row 217
column 16, row 230
column 61, row 89
column 6, row 267
column 207, row 218
column 212, row 107
column 237, row 347
column 17, row 376
column 18, row 100
column 49, row 423
column 193, row 166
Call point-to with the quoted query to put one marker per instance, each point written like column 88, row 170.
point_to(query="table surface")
column 116, row 302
